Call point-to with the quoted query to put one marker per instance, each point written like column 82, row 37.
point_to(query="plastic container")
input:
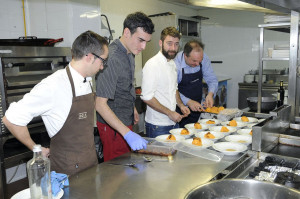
column 38, row 169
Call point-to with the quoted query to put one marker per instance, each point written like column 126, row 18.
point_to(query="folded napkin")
column 58, row 181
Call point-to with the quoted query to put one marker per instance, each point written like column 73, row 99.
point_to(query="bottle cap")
column 37, row 148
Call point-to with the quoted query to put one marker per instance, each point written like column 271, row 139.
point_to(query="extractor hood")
column 266, row 6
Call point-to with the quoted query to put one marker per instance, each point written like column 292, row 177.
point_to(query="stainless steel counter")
column 148, row 180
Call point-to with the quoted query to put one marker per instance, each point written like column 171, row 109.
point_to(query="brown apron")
column 72, row 149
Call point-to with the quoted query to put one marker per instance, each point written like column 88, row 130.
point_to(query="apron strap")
column 71, row 81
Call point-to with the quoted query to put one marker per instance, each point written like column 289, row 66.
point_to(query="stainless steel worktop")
column 149, row 180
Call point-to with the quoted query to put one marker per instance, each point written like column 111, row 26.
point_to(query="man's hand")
column 136, row 116
column 185, row 110
column 195, row 106
column 209, row 100
column 174, row 116
column 45, row 152
column 135, row 141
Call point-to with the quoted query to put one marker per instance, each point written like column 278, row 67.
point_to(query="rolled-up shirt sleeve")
column 149, row 82
column 209, row 75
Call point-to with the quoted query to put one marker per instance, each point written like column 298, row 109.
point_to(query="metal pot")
column 267, row 103
column 242, row 188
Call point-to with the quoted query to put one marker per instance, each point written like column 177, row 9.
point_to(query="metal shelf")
column 276, row 59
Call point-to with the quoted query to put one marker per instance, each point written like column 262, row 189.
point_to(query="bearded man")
column 159, row 87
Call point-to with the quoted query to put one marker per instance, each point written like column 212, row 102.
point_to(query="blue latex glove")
column 58, row 181
column 135, row 141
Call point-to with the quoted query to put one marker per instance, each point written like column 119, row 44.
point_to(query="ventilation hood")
column 266, row 6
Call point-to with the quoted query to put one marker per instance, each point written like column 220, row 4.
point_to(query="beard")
column 167, row 53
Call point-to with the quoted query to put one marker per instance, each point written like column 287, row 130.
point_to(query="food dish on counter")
column 185, row 132
column 204, row 134
column 238, row 124
column 197, row 125
column 230, row 148
column 226, row 130
column 246, row 119
column 197, row 141
column 210, row 122
column 214, row 109
column 171, row 138
column 245, row 132
column 205, row 143
column 243, row 139
column 164, row 138
column 191, row 127
column 251, row 125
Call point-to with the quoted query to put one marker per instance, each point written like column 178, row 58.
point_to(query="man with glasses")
column 115, row 101
column 65, row 101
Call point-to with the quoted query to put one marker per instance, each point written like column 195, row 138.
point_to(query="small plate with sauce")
column 230, row 148
column 243, row 139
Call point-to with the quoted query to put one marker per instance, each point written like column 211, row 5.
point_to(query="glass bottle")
column 280, row 95
column 38, row 169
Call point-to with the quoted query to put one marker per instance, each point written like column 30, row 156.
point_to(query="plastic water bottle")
column 38, row 169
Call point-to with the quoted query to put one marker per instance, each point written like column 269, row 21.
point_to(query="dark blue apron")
column 191, row 87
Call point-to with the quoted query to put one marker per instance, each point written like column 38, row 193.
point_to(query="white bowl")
column 225, row 147
column 239, row 124
column 204, row 121
column 251, row 119
column 163, row 139
column 244, row 131
column 191, row 126
column 251, row 125
column 218, row 129
column 205, row 143
column 218, row 135
column 178, row 132
column 243, row 139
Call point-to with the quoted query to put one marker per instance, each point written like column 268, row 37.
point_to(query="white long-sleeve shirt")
column 51, row 99
column 159, row 81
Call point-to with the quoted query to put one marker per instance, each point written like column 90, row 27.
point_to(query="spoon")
column 150, row 159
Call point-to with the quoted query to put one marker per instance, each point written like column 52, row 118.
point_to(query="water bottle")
column 38, row 169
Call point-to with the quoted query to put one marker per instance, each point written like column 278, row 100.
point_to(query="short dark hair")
column 192, row 45
column 136, row 20
column 88, row 42
column 171, row 31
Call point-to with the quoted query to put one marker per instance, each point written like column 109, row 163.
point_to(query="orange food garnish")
column 209, row 135
column 184, row 132
column 197, row 125
column 171, row 138
column 221, row 108
column 214, row 110
column 210, row 122
column 197, row 141
column 224, row 129
column 208, row 110
column 244, row 119
column 232, row 123
column 250, row 132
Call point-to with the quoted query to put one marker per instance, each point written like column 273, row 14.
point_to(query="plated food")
column 198, row 143
column 186, row 133
column 234, row 123
column 210, row 122
column 246, row 119
column 229, row 148
column 211, row 135
column 214, row 109
column 226, row 130
column 196, row 127
column 169, row 138
column 243, row 139
column 245, row 131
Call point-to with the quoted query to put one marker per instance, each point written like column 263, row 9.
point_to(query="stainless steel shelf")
column 276, row 59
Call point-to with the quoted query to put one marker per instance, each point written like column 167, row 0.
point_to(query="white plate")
column 243, row 139
column 261, row 120
column 218, row 135
column 244, row 131
column 203, row 121
column 224, row 146
column 25, row 194
column 163, row 139
column 251, row 119
column 218, row 129
column 191, row 126
column 239, row 124
column 251, row 125
column 205, row 143
column 178, row 132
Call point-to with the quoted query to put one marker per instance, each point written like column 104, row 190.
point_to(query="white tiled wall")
column 49, row 19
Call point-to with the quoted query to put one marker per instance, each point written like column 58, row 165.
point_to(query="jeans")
column 153, row 131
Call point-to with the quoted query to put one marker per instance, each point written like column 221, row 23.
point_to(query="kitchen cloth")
column 58, row 181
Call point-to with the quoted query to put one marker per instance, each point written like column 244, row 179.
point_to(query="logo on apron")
column 82, row 115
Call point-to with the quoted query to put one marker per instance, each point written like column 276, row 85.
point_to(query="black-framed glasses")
column 104, row 61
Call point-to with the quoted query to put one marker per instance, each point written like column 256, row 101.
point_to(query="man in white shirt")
column 65, row 101
column 159, row 87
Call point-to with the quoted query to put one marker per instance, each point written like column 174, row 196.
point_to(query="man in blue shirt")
column 193, row 65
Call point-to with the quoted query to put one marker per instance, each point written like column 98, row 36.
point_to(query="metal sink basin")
column 242, row 189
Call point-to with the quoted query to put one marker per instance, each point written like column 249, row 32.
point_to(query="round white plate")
column 243, row 139
column 218, row 129
column 204, row 121
column 244, row 131
column 191, row 126
column 205, row 143
column 251, row 119
column 261, row 120
column 251, row 125
column 178, row 132
column 25, row 194
column 218, row 135
column 163, row 139
column 225, row 147
column 239, row 124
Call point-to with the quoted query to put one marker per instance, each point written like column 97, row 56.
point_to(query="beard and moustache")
column 166, row 53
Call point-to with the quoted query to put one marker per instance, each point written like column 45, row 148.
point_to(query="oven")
column 22, row 67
